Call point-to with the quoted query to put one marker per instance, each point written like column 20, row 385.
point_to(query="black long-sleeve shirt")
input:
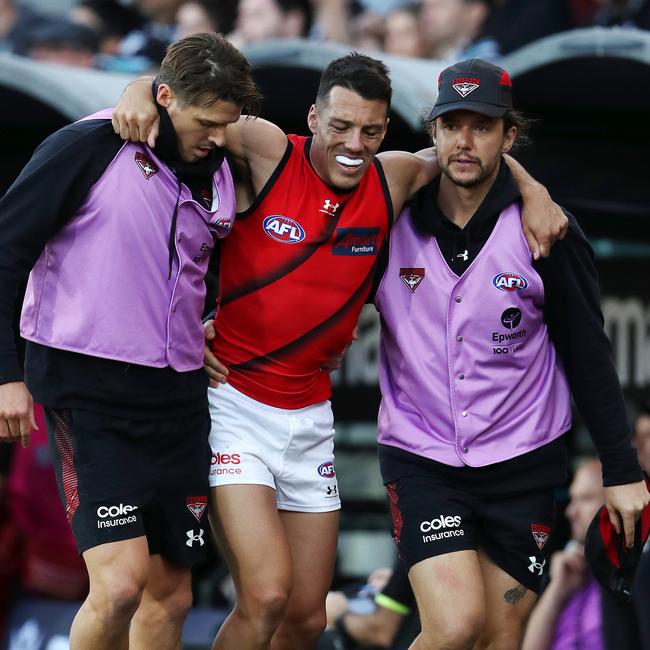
column 572, row 314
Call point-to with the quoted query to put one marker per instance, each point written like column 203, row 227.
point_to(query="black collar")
column 429, row 219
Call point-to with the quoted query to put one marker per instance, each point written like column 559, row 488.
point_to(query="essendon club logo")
column 465, row 85
column 147, row 166
column 197, row 506
column 412, row 278
column 540, row 534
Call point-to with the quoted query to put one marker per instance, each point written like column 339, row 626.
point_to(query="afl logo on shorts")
column 283, row 229
column 326, row 470
column 510, row 282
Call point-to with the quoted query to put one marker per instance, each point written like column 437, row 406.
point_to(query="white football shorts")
column 289, row 450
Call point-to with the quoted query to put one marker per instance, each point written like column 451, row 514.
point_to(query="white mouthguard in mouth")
column 349, row 162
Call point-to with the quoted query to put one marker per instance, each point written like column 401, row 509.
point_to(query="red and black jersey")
column 295, row 273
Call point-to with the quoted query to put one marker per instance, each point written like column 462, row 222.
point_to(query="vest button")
column 464, row 414
column 459, row 299
column 465, row 450
column 169, row 347
column 461, row 376
column 173, row 310
column 459, row 338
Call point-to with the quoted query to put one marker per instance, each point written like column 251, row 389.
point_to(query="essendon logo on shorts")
column 355, row 241
column 197, row 506
column 147, row 166
column 412, row 278
column 540, row 534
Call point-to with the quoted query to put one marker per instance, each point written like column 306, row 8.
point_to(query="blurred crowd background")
column 131, row 35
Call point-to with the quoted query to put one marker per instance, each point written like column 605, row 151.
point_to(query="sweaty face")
column 348, row 131
column 198, row 129
column 469, row 146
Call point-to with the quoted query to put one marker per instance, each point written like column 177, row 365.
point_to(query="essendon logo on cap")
column 147, row 166
column 465, row 85
column 197, row 506
column 540, row 534
column 412, row 278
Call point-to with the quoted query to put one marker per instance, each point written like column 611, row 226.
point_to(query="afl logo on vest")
column 510, row 282
column 283, row 229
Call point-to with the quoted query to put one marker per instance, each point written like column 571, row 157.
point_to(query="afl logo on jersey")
column 283, row 229
column 510, row 282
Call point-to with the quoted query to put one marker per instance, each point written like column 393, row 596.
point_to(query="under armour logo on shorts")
column 191, row 538
column 536, row 566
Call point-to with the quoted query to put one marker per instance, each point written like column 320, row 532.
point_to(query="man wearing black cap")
column 480, row 346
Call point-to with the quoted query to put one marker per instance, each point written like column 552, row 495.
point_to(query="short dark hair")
column 365, row 76
column 204, row 68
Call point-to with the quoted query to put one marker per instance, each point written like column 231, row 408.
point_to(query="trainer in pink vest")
column 467, row 372
column 102, row 286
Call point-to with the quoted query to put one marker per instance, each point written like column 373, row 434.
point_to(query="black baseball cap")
column 611, row 562
column 473, row 85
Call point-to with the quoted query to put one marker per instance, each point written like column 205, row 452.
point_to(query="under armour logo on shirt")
column 464, row 255
column 329, row 208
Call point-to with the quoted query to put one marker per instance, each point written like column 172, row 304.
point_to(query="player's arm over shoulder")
column 407, row 172
column 259, row 144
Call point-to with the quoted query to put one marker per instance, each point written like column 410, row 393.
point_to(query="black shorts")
column 120, row 478
column 432, row 518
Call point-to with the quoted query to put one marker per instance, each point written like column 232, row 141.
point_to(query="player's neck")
column 459, row 203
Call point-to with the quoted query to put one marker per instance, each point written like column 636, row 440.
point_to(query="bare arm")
column 406, row 173
column 259, row 144
column 135, row 117
column 543, row 221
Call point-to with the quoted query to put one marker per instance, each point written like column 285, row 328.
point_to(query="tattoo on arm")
column 513, row 596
